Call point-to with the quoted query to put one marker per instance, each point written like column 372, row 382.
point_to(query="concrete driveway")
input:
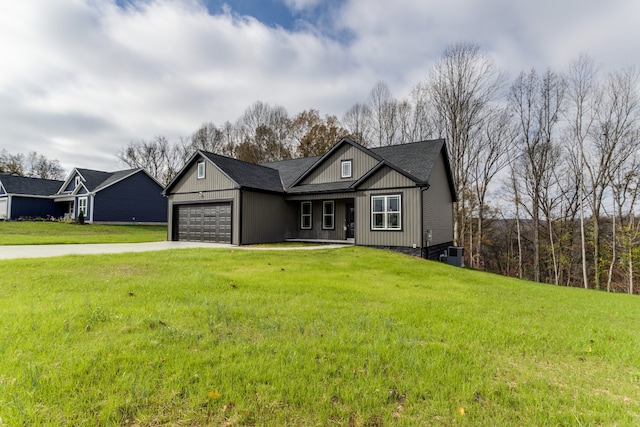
column 45, row 251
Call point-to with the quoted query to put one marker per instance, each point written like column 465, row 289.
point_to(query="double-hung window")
column 305, row 216
column 327, row 215
column 201, row 170
column 386, row 212
column 82, row 206
column 345, row 169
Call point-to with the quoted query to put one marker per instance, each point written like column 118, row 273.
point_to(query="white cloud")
column 301, row 5
column 82, row 78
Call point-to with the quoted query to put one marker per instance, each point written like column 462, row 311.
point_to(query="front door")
column 350, row 220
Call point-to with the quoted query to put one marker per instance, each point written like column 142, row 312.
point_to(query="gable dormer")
column 73, row 183
column 347, row 161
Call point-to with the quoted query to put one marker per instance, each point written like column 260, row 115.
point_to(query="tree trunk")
column 613, row 253
column 596, row 251
column 536, row 240
column 553, row 252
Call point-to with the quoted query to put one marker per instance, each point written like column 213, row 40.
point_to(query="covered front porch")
column 328, row 218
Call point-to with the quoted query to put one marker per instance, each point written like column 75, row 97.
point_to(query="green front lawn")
column 46, row 233
column 337, row 337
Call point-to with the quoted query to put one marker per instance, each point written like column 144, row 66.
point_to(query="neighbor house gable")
column 72, row 185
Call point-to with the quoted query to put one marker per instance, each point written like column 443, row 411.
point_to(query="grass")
column 344, row 337
column 46, row 233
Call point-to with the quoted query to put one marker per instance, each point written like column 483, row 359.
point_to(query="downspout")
column 91, row 204
column 241, row 191
column 9, row 202
column 424, row 247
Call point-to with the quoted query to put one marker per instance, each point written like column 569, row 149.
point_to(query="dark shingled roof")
column 248, row 175
column 416, row 158
column 14, row 184
column 290, row 170
column 95, row 180
column 326, row 187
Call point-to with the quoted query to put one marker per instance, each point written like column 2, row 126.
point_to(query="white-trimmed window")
column 386, row 212
column 328, row 215
column 82, row 206
column 201, row 170
column 345, row 169
column 77, row 182
column 305, row 215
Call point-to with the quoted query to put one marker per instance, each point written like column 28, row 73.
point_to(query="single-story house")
column 399, row 197
column 22, row 197
column 124, row 196
column 127, row 196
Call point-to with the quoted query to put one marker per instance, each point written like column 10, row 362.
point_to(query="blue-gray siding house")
column 22, row 197
column 127, row 196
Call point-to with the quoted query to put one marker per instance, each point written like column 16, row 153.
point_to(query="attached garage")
column 3, row 208
column 202, row 222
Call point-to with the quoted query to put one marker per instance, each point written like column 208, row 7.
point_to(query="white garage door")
column 3, row 208
column 203, row 223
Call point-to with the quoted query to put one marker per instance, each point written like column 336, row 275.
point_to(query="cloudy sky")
column 80, row 79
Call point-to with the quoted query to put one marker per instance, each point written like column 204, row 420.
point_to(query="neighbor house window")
column 346, row 169
column 82, row 206
column 305, row 216
column 200, row 170
column 77, row 181
column 327, row 215
column 386, row 212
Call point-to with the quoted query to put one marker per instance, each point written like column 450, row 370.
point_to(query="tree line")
column 33, row 165
column 544, row 164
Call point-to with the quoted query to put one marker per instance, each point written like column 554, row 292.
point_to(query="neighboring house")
column 27, row 197
column 112, row 197
column 399, row 197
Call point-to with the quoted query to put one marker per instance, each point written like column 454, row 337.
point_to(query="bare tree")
column 264, row 134
column 32, row 165
column 581, row 93
column 463, row 84
column 384, row 115
column 357, row 121
column 614, row 138
column 537, row 104
column 498, row 134
column 12, row 163
column 158, row 157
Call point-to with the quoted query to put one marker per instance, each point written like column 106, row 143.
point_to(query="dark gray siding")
column 34, row 207
column 265, row 218
column 317, row 232
column 137, row 198
column 389, row 182
column 438, row 206
column 408, row 236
